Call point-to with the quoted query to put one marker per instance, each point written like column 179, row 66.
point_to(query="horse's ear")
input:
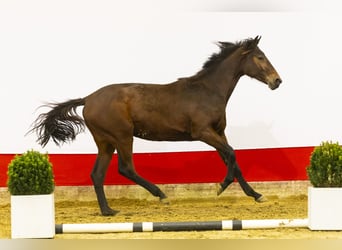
column 250, row 44
column 256, row 40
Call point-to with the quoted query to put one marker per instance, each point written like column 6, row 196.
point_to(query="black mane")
column 226, row 49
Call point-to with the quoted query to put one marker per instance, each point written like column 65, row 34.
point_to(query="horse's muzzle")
column 275, row 84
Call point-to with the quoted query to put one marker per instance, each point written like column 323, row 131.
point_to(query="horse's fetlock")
column 219, row 189
column 165, row 200
column 261, row 199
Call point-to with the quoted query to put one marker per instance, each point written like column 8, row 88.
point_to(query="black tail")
column 61, row 123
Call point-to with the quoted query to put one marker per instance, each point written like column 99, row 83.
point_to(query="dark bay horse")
column 189, row 109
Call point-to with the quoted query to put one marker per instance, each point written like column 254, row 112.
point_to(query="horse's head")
column 256, row 64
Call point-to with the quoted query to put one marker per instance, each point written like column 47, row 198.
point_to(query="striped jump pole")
column 179, row 226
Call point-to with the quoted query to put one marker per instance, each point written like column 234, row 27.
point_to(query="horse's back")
column 128, row 93
column 125, row 99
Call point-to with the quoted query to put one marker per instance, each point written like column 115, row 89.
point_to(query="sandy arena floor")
column 221, row 208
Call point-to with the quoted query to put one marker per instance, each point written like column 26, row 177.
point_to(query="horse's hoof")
column 109, row 212
column 261, row 199
column 219, row 189
column 165, row 201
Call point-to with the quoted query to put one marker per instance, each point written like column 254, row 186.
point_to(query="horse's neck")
column 223, row 80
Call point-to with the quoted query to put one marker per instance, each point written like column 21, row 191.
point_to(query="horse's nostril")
column 278, row 81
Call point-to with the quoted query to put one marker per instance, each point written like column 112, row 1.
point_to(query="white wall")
column 54, row 51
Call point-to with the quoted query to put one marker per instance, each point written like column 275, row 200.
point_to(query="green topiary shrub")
column 30, row 174
column 325, row 169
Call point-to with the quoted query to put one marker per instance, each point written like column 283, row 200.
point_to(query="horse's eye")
column 261, row 58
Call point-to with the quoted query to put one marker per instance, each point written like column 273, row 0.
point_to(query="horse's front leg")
column 228, row 157
column 220, row 143
column 230, row 160
column 245, row 186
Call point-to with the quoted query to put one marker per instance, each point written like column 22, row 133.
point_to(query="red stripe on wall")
column 275, row 164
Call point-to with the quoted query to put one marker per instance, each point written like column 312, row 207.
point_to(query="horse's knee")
column 127, row 172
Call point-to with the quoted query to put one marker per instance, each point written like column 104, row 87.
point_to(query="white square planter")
column 33, row 216
column 325, row 208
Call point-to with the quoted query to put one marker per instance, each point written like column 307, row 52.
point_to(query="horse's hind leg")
column 126, row 168
column 98, row 175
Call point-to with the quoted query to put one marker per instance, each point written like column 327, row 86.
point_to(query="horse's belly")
column 162, row 135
